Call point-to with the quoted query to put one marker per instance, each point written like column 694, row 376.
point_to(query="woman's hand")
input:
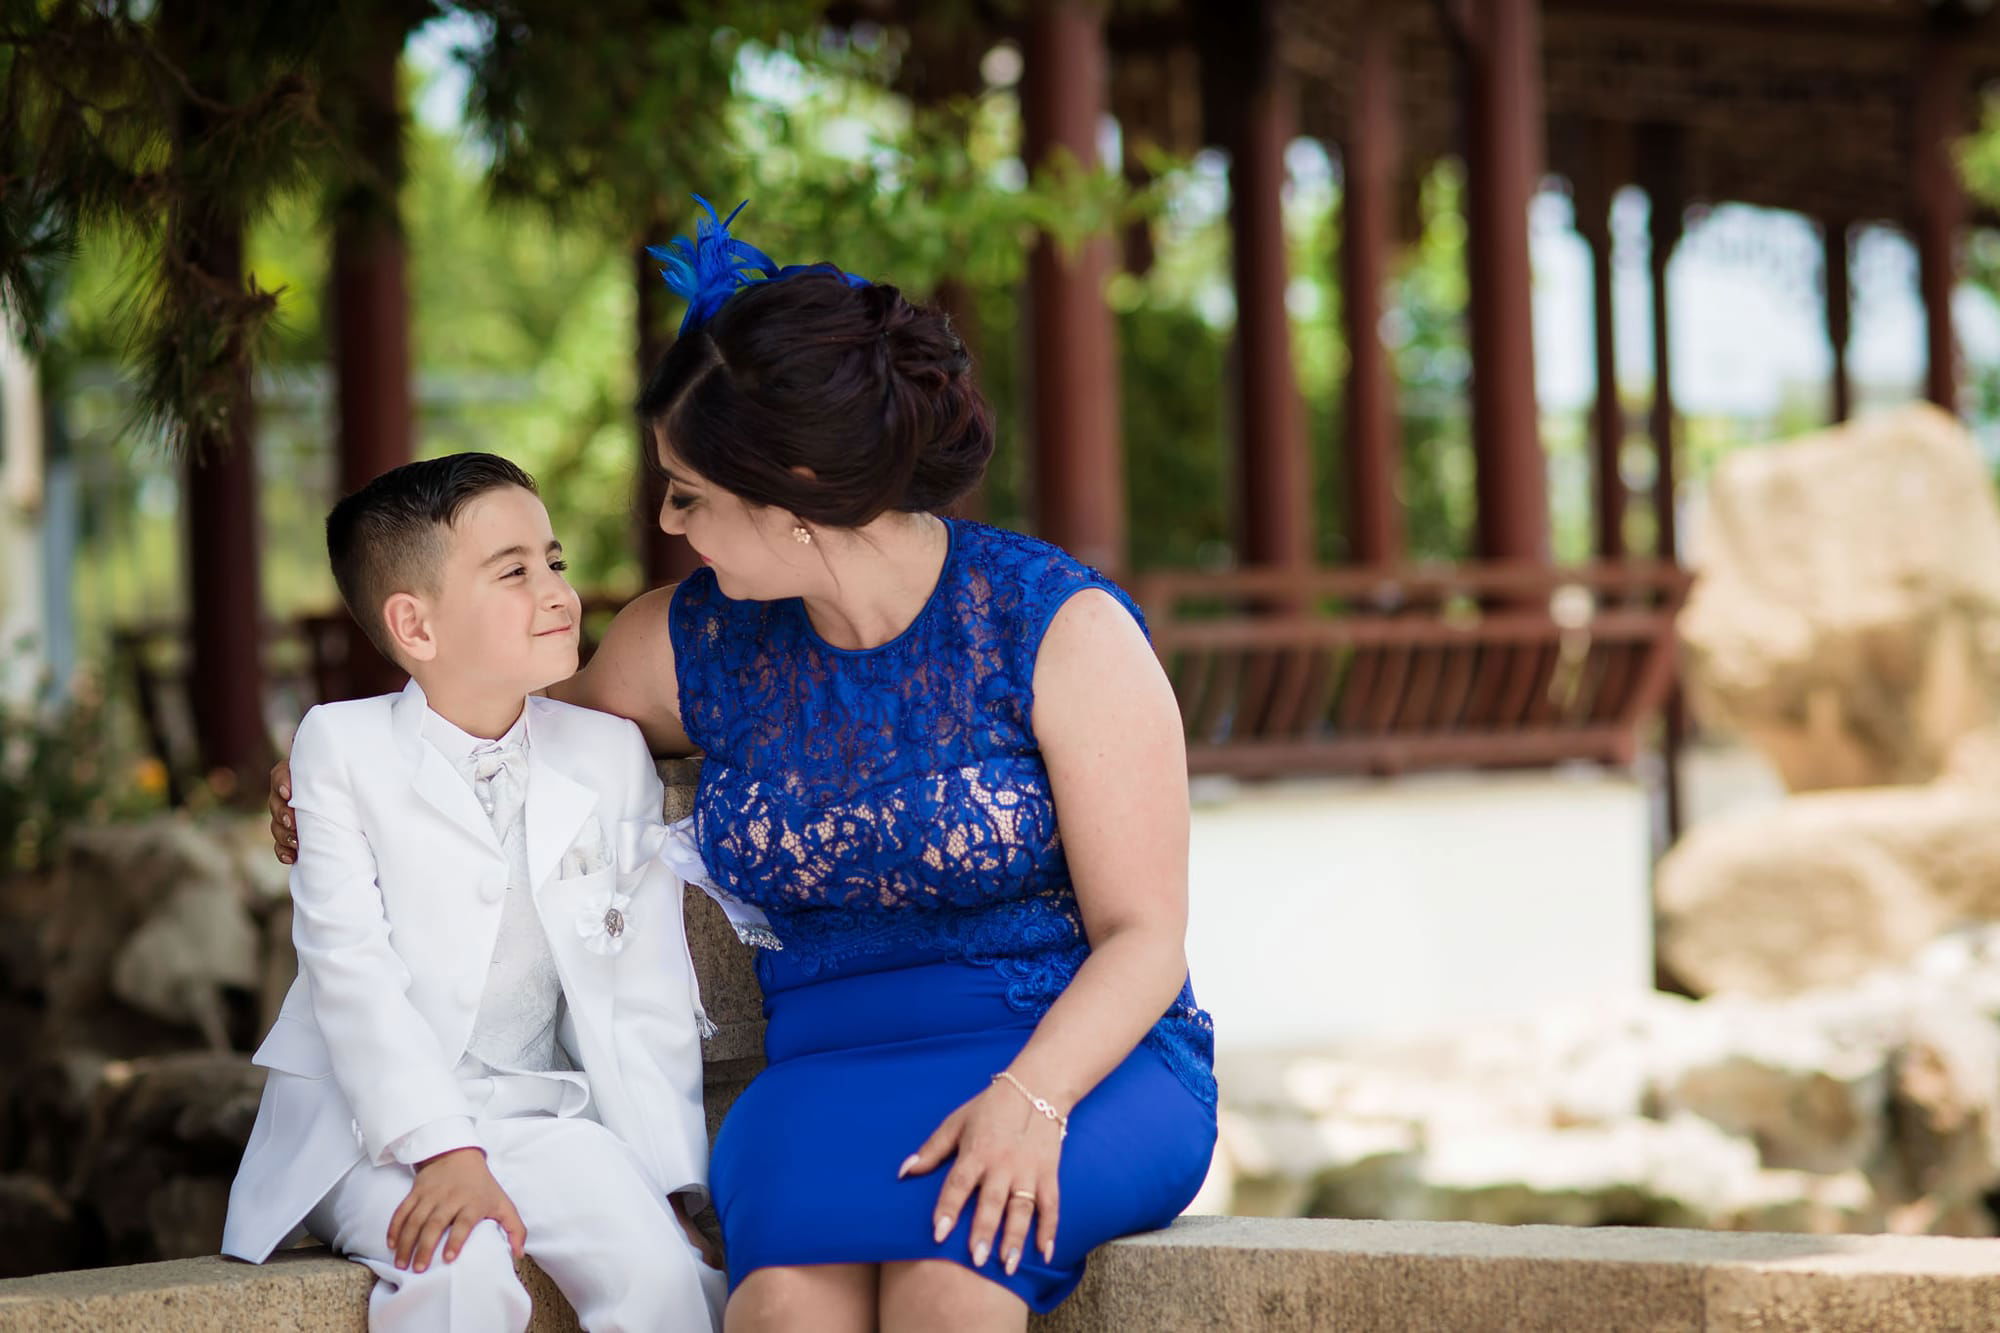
column 704, row 1248
column 284, row 829
column 1007, row 1154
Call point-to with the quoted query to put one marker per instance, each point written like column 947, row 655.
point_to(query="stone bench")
column 1261, row 1274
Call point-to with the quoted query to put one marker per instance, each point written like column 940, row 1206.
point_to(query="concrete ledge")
column 1242, row 1273
column 1422, row 1277
column 307, row 1290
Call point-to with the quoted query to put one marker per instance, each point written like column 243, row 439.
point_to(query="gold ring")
column 1029, row 1195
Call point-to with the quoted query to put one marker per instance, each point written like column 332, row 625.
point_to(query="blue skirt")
column 864, row 1065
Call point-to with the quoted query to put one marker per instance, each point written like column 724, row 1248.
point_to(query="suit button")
column 491, row 890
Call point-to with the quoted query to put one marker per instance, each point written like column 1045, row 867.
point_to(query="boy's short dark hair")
column 388, row 537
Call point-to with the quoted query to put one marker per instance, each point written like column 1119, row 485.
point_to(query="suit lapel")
column 557, row 807
column 432, row 776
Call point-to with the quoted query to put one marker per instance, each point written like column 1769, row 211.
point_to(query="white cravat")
column 515, row 1030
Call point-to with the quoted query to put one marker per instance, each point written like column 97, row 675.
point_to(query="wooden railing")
column 1324, row 671
column 1345, row 670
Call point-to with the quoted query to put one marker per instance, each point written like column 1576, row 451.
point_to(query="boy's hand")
column 704, row 1248
column 454, row 1193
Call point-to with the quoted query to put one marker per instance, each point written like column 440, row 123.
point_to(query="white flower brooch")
column 603, row 925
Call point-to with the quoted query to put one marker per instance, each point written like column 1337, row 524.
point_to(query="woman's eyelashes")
column 679, row 498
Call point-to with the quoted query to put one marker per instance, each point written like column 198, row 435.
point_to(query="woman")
column 944, row 761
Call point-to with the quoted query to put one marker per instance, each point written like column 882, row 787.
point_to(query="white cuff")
column 443, row 1135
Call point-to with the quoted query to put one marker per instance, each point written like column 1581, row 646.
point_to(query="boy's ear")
column 409, row 625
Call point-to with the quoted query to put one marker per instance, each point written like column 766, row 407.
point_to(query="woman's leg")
column 938, row 1294
column 836, row 1298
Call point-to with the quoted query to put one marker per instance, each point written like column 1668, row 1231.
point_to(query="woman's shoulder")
column 1027, row 580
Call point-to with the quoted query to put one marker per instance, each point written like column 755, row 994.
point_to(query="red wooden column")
column 375, row 412
column 1276, row 492
column 1661, row 174
column 220, row 500
column 1368, row 183
column 1078, row 468
column 1503, row 162
column 1593, row 188
column 1839, row 304
column 1938, row 210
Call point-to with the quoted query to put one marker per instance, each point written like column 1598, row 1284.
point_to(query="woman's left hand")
column 1007, row 1155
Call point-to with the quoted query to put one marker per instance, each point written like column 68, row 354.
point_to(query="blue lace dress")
column 890, row 812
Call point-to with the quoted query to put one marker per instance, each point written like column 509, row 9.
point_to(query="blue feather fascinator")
column 714, row 266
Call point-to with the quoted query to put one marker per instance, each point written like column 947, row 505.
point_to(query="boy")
column 493, row 1043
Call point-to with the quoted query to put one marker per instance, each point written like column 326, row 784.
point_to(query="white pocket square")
column 587, row 855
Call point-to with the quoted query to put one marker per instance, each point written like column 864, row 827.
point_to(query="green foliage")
column 611, row 113
column 1434, row 367
column 172, row 125
column 1979, row 162
column 1178, row 456
column 1979, row 155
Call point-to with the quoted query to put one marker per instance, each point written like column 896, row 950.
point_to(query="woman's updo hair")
column 869, row 393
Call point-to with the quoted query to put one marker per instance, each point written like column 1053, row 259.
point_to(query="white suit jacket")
column 397, row 897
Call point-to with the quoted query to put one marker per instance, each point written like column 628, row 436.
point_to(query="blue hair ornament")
column 714, row 266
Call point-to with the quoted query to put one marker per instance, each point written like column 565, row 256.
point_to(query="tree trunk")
column 205, row 255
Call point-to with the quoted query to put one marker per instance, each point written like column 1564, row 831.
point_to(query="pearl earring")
column 802, row 534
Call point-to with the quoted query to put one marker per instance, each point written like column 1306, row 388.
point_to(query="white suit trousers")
column 594, row 1225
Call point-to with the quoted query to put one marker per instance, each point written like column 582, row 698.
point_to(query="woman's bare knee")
column 929, row 1294
column 835, row 1297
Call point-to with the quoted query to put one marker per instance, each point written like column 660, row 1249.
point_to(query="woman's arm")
column 1110, row 733
column 632, row 674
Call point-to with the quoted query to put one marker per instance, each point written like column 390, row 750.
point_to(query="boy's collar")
column 458, row 745
column 412, row 706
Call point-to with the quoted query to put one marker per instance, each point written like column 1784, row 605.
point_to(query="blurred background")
column 1554, row 442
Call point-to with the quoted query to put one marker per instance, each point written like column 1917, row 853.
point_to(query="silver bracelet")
column 1039, row 1103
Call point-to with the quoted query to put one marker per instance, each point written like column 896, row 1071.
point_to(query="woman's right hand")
column 284, row 829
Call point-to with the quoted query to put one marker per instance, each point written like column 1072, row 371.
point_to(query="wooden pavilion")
column 1843, row 110
column 1846, row 111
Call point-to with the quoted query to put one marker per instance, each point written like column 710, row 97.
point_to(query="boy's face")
column 504, row 617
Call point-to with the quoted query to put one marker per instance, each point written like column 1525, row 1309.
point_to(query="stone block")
column 38, row 1229
column 154, row 928
column 1268, row 1275
column 306, row 1290
column 1883, row 1284
column 1305, row 1276
column 166, row 1136
column 724, row 966
column 1827, row 886
column 1847, row 615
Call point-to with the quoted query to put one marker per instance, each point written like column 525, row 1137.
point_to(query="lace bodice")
column 894, row 799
